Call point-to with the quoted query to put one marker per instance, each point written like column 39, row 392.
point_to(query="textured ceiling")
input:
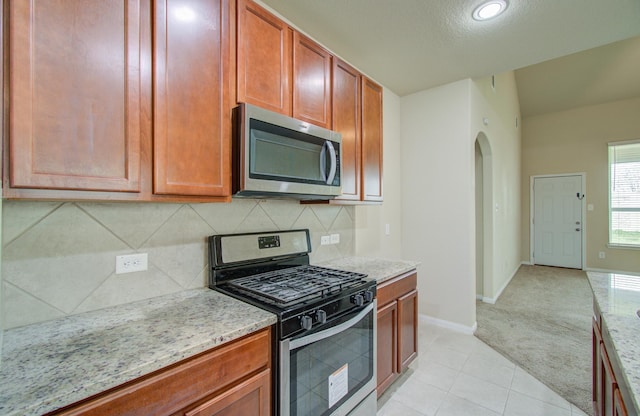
column 412, row 45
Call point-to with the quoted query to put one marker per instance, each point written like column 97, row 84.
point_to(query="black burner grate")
column 296, row 283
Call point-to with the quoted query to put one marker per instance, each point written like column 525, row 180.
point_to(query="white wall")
column 371, row 240
column 439, row 128
column 438, row 223
column 500, row 107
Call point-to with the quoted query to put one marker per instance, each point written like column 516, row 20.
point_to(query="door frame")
column 532, row 201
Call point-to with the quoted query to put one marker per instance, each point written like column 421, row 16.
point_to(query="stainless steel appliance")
column 279, row 156
column 325, row 342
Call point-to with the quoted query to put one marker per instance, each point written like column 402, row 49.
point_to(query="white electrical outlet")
column 131, row 263
column 601, row 254
column 387, row 229
column 335, row 238
column 325, row 240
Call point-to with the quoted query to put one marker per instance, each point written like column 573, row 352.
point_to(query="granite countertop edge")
column 86, row 354
column 618, row 312
column 380, row 269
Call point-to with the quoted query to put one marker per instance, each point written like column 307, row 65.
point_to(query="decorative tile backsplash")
column 58, row 258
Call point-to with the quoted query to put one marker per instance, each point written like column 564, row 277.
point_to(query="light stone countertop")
column 618, row 297
column 376, row 268
column 55, row 363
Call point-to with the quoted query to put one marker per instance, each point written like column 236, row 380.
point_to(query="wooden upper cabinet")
column 263, row 58
column 74, row 106
column 371, row 140
column 192, row 130
column 346, row 120
column 311, row 81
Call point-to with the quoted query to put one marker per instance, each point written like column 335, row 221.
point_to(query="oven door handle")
column 301, row 342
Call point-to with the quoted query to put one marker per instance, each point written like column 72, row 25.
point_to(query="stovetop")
column 296, row 284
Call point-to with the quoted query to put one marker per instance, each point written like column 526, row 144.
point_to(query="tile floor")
column 457, row 374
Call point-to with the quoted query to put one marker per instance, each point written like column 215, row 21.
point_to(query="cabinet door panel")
column 346, row 120
column 191, row 119
column 251, row 397
column 407, row 329
column 371, row 140
column 596, row 375
column 619, row 409
column 264, row 58
column 311, row 81
column 75, row 95
column 387, row 343
column 607, row 384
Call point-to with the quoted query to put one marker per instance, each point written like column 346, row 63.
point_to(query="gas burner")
column 296, row 284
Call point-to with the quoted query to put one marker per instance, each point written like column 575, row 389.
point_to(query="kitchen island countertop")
column 376, row 268
column 618, row 299
column 52, row 364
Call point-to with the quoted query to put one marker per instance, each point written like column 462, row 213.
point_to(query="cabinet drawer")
column 394, row 288
column 251, row 397
column 176, row 387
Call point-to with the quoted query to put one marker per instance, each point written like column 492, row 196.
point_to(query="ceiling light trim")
column 489, row 10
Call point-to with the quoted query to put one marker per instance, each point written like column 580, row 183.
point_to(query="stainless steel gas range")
column 325, row 343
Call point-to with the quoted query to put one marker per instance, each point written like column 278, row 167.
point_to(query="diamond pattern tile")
column 24, row 308
column 326, row 214
column 134, row 223
column 257, row 220
column 129, row 287
column 283, row 213
column 18, row 216
column 178, row 247
column 62, row 259
column 59, row 258
column 225, row 218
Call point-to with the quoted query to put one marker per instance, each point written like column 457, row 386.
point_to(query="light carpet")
column 542, row 322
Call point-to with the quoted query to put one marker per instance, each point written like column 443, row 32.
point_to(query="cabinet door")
column 192, row 130
column 251, row 397
column 371, row 141
column 607, row 384
column 619, row 409
column 264, row 58
column 346, row 121
column 75, row 95
column 311, row 81
column 387, row 343
column 407, row 329
column 596, row 376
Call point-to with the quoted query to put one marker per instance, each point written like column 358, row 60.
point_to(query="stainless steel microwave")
column 279, row 156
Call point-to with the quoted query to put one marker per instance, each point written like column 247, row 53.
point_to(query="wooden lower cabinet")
column 233, row 379
column 387, row 355
column 607, row 394
column 397, row 328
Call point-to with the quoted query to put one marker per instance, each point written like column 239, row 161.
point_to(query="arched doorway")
column 484, row 217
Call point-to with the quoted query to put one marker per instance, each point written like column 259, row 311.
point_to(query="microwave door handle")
column 334, row 162
column 323, row 162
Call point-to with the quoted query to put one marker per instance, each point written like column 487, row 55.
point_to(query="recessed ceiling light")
column 489, row 9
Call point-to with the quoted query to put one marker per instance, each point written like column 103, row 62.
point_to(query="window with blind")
column 624, row 193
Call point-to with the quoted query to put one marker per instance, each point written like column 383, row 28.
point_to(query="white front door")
column 557, row 221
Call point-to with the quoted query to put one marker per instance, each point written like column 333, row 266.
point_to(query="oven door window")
column 325, row 373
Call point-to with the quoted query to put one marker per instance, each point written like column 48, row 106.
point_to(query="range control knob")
column 368, row 296
column 358, row 299
column 321, row 316
column 306, row 322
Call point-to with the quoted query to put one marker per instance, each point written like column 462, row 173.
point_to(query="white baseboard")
column 469, row 330
column 504, row 286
